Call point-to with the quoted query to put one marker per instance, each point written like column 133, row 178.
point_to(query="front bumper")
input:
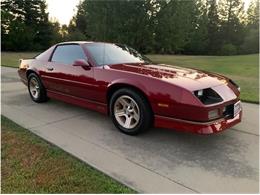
column 197, row 127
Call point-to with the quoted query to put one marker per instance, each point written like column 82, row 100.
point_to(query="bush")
column 251, row 42
column 228, row 50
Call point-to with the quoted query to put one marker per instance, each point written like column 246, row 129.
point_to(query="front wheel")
column 130, row 111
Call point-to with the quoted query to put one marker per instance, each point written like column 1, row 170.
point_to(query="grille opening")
column 209, row 97
column 229, row 111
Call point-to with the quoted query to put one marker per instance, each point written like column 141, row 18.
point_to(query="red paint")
column 201, row 128
column 161, row 84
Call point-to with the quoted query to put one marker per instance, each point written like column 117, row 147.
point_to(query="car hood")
column 188, row 78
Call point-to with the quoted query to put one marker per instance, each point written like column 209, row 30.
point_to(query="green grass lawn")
column 31, row 165
column 243, row 69
column 12, row 58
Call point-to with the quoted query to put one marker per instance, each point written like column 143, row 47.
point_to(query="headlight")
column 200, row 93
column 208, row 96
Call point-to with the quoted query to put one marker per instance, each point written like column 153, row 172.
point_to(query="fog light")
column 213, row 114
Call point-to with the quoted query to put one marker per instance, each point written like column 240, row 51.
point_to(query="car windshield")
column 108, row 53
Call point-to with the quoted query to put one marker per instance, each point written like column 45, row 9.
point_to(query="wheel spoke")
column 120, row 113
column 33, row 82
column 136, row 116
column 128, row 122
column 123, row 102
column 132, row 103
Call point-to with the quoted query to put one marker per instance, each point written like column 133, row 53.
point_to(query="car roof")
column 81, row 42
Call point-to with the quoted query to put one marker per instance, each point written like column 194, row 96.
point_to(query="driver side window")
column 67, row 54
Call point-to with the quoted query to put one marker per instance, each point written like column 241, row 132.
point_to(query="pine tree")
column 232, row 27
column 253, row 14
column 26, row 26
column 175, row 22
column 214, row 37
column 199, row 36
column 116, row 21
column 251, row 41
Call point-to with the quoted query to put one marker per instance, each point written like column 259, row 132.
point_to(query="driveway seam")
column 53, row 122
column 240, row 131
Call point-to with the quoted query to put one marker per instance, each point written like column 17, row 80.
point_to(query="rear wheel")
column 36, row 89
column 130, row 111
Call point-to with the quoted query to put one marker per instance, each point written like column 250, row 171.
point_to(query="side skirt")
column 92, row 105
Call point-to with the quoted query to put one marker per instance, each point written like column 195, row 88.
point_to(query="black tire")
column 42, row 95
column 145, row 112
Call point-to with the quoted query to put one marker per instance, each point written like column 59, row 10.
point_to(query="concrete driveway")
column 159, row 161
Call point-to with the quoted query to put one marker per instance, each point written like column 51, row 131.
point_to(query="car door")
column 64, row 78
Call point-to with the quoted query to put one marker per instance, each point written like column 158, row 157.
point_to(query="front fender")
column 129, row 82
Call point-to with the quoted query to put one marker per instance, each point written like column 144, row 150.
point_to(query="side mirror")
column 81, row 62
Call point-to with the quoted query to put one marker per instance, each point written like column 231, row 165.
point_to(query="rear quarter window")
column 45, row 56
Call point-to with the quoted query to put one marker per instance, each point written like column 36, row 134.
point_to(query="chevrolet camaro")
column 117, row 80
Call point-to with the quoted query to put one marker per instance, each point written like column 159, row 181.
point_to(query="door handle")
column 50, row 69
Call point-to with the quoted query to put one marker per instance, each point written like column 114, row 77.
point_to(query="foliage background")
column 204, row 27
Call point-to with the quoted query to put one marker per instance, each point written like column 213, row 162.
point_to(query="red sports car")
column 117, row 80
